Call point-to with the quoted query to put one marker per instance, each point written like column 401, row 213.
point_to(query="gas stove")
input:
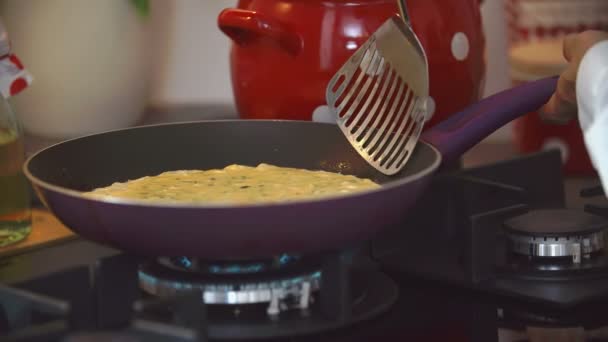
column 504, row 230
column 489, row 254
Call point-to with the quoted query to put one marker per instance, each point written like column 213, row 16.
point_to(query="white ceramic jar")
column 91, row 64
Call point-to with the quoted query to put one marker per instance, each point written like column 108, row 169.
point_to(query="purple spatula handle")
column 461, row 131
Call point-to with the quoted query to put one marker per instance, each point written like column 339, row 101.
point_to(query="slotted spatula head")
column 379, row 96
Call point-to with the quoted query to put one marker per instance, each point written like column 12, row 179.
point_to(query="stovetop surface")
column 445, row 267
column 424, row 311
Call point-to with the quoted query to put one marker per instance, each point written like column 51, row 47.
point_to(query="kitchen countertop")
column 484, row 153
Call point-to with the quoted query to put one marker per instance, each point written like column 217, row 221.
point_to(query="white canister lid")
column 537, row 59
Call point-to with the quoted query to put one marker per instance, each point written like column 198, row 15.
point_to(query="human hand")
column 562, row 106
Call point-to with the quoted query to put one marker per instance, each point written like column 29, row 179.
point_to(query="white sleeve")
column 592, row 99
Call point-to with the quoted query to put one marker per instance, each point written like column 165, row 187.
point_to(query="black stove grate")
column 466, row 244
column 104, row 301
column 83, row 302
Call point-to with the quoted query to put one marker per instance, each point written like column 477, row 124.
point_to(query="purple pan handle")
column 461, row 131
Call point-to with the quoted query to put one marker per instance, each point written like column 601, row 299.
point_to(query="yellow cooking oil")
column 15, row 213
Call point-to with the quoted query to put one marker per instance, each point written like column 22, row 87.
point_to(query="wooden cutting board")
column 46, row 231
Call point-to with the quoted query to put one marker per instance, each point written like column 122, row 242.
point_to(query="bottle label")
column 14, row 78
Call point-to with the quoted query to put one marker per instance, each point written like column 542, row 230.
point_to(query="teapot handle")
column 244, row 26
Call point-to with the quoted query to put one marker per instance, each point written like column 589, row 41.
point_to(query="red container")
column 534, row 60
column 536, row 30
column 534, row 20
column 286, row 51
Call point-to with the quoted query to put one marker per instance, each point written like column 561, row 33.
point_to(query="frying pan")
column 61, row 173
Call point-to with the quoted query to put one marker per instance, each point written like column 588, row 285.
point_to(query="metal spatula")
column 379, row 96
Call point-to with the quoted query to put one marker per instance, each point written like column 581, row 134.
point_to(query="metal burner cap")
column 556, row 233
column 556, row 223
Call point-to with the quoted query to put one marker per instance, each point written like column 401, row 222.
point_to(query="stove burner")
column 285, row 302
column 189, row 264
column 556, row 233
column 228, row 284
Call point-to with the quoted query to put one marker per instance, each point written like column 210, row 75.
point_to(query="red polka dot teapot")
column 284, row 52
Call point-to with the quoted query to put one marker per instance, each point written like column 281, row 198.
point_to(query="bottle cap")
column 14, row 78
